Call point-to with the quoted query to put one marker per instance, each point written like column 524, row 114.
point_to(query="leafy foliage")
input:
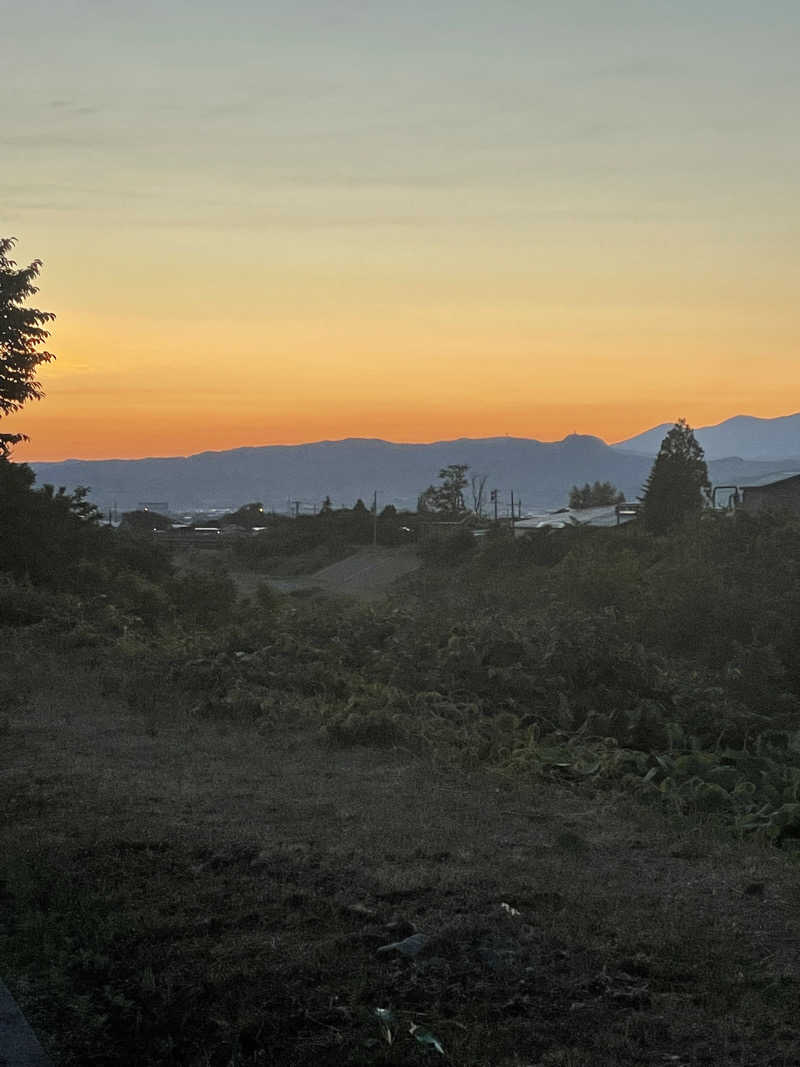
column 448, row 551
column 311, row 541
column 45, row 534
column 608, row 659
column 666, row 664
column 22, row 333
column 598, row 495
column 448, row 497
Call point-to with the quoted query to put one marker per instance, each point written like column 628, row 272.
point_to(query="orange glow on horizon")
column 68, row 436
column 162, row 388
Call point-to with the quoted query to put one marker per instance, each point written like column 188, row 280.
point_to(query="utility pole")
column 375, row 519
column 493, row 496
column 296, row 509
column 512, row 509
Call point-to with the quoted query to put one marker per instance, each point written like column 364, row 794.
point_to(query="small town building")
column 441, row 530
column 608, row 515
column 781, row 495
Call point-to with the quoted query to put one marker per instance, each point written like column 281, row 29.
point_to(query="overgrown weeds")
column 602, row 664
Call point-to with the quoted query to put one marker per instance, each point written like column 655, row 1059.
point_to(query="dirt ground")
column 367, row 574
column 230, row 895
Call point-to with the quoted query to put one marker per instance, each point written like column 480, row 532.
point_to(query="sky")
column 274, row 222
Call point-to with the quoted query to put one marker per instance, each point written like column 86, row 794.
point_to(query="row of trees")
column 678, row 486
column 601, row 494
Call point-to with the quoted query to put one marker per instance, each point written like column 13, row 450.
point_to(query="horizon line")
column 319, row 441
column 386, row 441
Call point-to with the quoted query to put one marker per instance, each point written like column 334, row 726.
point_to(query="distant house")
column 609, row 515
column 783, row 495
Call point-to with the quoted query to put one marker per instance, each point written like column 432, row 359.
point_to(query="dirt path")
column 367, row 574
column 240, row 887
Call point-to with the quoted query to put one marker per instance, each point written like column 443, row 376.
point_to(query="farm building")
column 442, row 531
column 783, row 495
column 610, row 515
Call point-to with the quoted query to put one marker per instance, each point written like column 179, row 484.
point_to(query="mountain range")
column 741, row 450
column 744, row 436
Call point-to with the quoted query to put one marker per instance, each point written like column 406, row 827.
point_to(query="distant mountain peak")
column 746, row 436
column 539, row 472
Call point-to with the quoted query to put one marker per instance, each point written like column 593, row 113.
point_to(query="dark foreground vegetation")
column 540, row 807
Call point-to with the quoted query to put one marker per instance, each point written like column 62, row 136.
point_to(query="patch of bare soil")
column 187, row 894
column 366, row 575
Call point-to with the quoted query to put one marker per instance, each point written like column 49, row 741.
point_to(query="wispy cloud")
column 70, row 107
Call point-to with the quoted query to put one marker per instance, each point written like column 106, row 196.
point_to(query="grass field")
column 177, row 890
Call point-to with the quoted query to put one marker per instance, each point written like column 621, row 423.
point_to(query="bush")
column 202, row 598
column 449, row 550
column 45, row 533
column 140, row 597
column 21, row 604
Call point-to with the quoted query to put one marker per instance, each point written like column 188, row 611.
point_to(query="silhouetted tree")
column 599, row 495
column 478, row 485
column 678, row 484
column 327, row 506
column 360, row 508
column 448, row 497
column 45, row 533
column 21, row 335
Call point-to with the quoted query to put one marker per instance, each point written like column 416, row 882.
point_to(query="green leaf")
column 425, row 1037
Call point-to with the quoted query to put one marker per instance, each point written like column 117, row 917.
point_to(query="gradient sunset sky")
column 271, row 222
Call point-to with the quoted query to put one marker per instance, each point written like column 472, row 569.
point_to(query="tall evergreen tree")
column 678, row 484
column 22, row 334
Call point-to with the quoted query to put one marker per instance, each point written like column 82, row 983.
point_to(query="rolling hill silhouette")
column 541, row 473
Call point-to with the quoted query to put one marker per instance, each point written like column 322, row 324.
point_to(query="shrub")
column 203, row 598
column 449, row 550
column 140, row 597
column 21, row 604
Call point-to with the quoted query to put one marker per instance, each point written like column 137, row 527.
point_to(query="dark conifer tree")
column 678, row 484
